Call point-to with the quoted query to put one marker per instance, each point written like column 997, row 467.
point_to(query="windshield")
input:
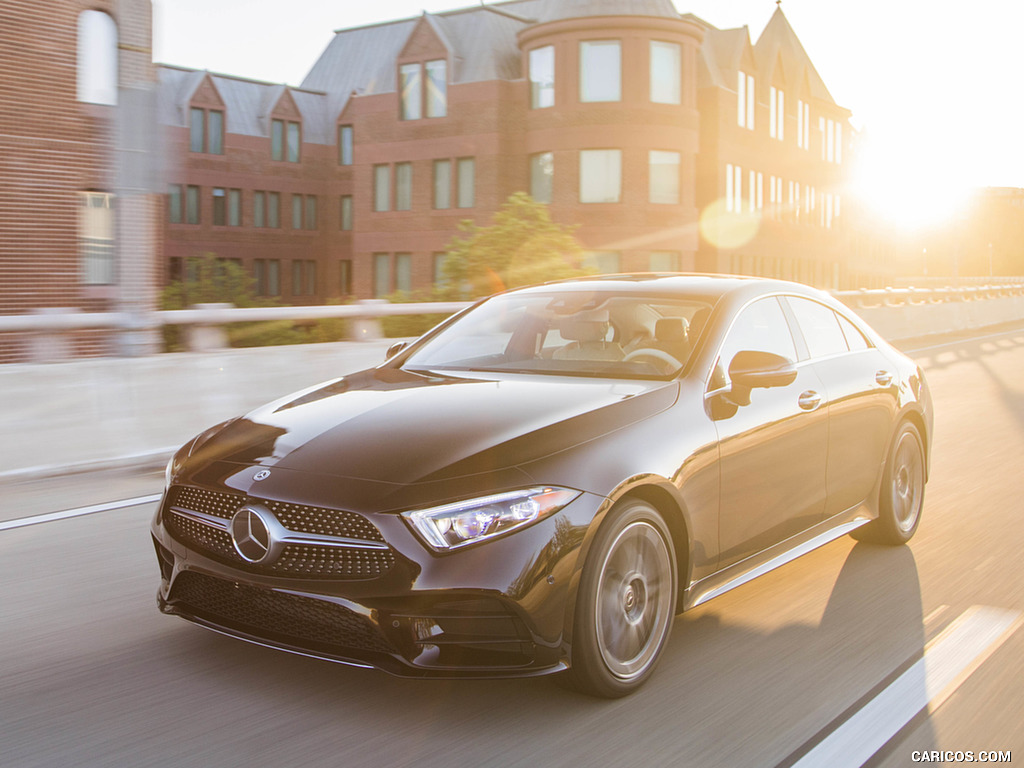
column 568, row 333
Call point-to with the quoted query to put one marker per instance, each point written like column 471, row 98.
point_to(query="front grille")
column 281, row 616
column 309, row 560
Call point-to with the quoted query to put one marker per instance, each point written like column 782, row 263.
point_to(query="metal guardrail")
column 891, row 297
column 216, row 314
column 55, row 319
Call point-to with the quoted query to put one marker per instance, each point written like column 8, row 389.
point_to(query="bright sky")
column 934, row 86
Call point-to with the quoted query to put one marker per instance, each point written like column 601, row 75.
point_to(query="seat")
column 586, row 341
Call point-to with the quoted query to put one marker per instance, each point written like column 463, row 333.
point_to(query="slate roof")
column 483, row 46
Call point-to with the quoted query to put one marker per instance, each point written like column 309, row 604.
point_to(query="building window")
column 267, row 276
column 215, row 132
column 542, row 174
column 192, row 204
column 412, row 100
column 382, row 188
column 97, row 58
column 666, row 73
column 403, row 272
column 600, row 175
column 311, row 212
column 345, row 145
column 303, row 277
column 745, row 100
column 294, row 142
column 466, row 169
column 345, row 277
column 403, row 186
column 197, row 130
column 277, row 140
column 439, row 276
column 602, row 262
column 96, row 237
column 174, row 209
column 296, row 211
column 664, row 261
column 274, row 210
column 839, row 143
column 733, row 188
column 600, row 70
column 381, row 275
column 259, row 208
column 345, row 214
column 776, row 113
column 664, row 177
column 234, row 207
column 442, row 184
column 437, row 88
column 220, row 208
column 803, row 124
column 542, row 77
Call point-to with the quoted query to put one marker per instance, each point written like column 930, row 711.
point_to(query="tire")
column 626, row 602
column 902, row 493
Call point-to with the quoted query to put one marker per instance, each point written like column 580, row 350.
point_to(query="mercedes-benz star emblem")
column 263, row 474
column 250, row 533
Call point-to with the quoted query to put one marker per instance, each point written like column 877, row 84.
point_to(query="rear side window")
column 820, row 327
column 854, row 338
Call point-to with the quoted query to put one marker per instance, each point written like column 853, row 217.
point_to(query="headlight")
column 177, row 460
column 467, row 522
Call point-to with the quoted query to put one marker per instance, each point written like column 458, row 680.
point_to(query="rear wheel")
column 626, row 602
column 902, row 494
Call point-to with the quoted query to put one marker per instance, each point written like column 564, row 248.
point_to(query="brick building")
column 78, row 209
column 671, row 145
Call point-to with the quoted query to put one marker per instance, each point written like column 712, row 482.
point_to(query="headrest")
column 583, row 330
column 670, row 329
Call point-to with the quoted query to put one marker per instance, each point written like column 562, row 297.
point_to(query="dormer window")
column 413, row 84
column 206, row 131
column 437, row 88
column 285, row 140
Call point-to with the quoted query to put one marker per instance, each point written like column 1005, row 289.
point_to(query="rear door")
column 861, row 386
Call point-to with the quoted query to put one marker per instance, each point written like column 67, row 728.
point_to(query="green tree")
column 522, row 246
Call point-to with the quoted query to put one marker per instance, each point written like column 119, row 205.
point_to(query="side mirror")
column 394, row 349
column 758, row 370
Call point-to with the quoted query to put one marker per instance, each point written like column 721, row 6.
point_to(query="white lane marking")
column 105, row 507
column 948, row 661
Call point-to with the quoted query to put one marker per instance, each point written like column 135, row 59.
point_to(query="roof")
column 555, row 10
column 778, row 40
column 247, row 103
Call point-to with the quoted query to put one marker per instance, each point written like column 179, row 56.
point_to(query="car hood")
column 393, row 426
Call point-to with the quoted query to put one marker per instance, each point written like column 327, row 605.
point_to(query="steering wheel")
column 653, row 354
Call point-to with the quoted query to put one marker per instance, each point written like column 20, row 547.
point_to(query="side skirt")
column 756, row 565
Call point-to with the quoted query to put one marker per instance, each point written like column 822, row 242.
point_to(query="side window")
column 854, row 338
column 761, row 327
column 820, row 327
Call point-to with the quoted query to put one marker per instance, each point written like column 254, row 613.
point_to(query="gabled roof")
column 247, row 103
column 780, row 41
column 722, row 54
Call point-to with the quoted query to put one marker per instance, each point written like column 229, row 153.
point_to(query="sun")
column 911, row 184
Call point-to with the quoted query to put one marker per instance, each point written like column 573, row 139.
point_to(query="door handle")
column 809, row 400
column 883, row 378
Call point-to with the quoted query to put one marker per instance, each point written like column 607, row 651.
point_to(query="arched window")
column 97, row 58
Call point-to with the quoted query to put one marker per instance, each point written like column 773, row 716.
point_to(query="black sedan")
column 544, row 480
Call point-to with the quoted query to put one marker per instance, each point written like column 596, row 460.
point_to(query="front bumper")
column 497, row 609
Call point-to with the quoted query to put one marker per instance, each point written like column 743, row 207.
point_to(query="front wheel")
column 902, row 494
column 626, row 603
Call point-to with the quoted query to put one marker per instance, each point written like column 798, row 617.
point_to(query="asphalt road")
column 92, row 675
